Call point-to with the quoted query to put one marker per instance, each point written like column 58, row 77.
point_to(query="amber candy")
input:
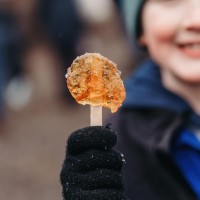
column 93, row 79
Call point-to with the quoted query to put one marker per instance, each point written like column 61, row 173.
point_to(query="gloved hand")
column 92, row 169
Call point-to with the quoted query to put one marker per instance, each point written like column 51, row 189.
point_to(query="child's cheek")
column 161, row 41
column 164, row 30
column 159, row 22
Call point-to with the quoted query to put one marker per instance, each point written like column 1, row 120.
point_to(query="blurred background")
column 39, row 39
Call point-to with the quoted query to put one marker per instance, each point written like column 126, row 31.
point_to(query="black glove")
column 92, row 169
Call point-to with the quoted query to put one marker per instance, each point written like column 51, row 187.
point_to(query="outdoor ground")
column 32, row 147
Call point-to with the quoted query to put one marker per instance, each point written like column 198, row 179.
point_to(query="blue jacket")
column 146, row 124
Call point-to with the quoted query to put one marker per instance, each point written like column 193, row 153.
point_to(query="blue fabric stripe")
column 186, row 155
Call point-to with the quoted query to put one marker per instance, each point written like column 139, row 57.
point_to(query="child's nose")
column 192, row 18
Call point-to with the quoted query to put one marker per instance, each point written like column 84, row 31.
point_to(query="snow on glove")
column 92, row 169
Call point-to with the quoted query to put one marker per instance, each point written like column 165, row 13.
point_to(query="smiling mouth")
column 191, row 49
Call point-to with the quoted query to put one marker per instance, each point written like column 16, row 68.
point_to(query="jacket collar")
column 145, row 90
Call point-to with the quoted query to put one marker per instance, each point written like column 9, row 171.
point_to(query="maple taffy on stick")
column 93, row 79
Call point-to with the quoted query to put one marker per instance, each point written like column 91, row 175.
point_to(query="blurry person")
column 158, row 126
column 10, row 53
column 3, row 61
column 63, row 26
column 18, row 90
column 62, row 23
column 50, row 33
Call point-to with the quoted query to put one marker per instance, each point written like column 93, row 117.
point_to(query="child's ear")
column 142, row 40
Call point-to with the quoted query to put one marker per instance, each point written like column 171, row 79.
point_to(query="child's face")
column 171, row 32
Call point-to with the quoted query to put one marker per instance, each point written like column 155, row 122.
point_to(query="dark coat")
column 148, row 121
column 144, row 137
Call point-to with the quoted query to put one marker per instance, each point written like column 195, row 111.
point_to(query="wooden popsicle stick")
column 95, row 115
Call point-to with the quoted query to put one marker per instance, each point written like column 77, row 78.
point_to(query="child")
column 158, row 126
